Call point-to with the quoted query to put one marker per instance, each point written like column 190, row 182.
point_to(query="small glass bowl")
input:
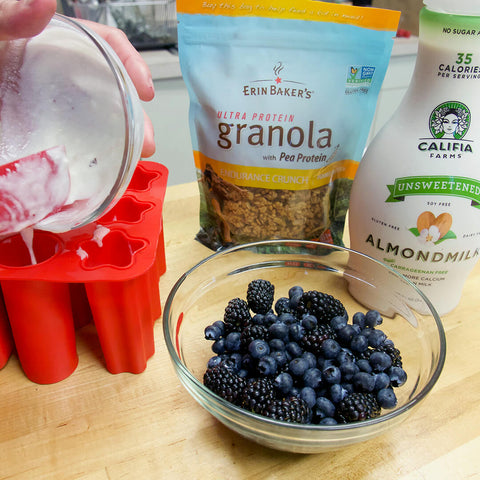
column 71, row 89
column 199, row 297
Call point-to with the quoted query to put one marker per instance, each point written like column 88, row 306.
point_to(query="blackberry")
column 323, row 306
column 282, row 305
column 313, row 339
column 291, row 409
column 388, row 348
column 237, row 315
column 393, row 352
column 252, row 332
column 257, row 394
column 226, row 384
column 260, row 296
column 357, row 407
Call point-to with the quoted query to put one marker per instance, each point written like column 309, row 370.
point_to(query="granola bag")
column 282, row 96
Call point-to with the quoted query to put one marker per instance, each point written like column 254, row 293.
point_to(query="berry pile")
column 300, row 360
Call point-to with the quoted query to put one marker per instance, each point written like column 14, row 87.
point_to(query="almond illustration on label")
column 444, row 223
column 431, row 229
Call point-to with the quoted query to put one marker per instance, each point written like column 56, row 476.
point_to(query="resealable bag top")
column 282, row 96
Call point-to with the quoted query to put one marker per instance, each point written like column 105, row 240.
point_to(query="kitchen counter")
column 98, row 426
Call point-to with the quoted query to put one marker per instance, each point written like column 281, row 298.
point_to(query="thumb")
column 24, row 18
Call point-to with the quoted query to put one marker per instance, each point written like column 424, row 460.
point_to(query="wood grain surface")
column 98, row 426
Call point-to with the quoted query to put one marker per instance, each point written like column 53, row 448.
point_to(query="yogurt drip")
column 27, row 236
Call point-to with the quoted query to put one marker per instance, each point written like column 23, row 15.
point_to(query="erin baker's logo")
column 278, row 85
column 448, row 124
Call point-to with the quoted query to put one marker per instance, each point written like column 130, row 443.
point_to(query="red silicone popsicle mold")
column 106, row 272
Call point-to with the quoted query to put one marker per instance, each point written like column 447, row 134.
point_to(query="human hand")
column 137, row 70
column 26, row 18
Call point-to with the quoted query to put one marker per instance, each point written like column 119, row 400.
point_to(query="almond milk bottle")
column 415, row 201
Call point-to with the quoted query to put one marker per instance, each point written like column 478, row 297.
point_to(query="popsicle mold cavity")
column 127, row 210
column 14, row 252
column 116, row 249
column 142, row 179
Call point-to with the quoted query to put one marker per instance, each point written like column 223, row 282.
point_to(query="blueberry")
column 348, row 387
column 398, row 376
column 248, row 363
column 278, row 330
column 294, row 299
column 284, row 382
column 280, row 357
column 324, row 408
column 269, row 319
column 310, row 358
column 294, row 392
column 382, row 380
column 359, row 319
column 386, row 398
column 258, row 319
column 327, row 421
column 233, row 362
column 298, row 366
column 267, row 365
column 258, row 348
column 366, row 331
column 214, row 361
column 323, row 362
column 219, row 324
column 294, row 291
column 359, row 343
column 212, row 332
column 348, row 370
column 232, row 342
column 337, row 393
column 243, row 373
column 376, row 338
column 296, row 331
column 364, row 382
column 309, row 322
column 218, row 346
column 309, row 396
column 287, row 318
column 312, row 378
column 330, row 348
column 331, row 374
column 345, row 356
column 277, row 344
column 338, row 322
column 294, row 349
column 364, row 365
column 373, row 318
column 345, row 334
column 380, row 361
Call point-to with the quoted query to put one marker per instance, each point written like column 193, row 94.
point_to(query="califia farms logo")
column 450, row 120
column 277, row 85
column 448, row 125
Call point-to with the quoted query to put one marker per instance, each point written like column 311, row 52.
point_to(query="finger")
column 24, row 18
column 136, row 67
column 149, row 138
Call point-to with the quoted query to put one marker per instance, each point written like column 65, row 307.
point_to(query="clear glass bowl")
column 66, row 86
column 201, row 294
